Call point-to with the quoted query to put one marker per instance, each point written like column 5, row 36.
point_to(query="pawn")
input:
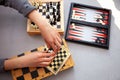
column 48, row 16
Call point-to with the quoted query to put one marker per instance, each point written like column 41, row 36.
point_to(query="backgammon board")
column 89, row 25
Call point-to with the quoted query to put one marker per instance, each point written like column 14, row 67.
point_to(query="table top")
column 91, row 63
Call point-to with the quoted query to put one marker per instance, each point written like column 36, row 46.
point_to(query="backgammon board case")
column 89, row 25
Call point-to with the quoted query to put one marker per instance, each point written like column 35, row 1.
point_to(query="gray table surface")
column 91, row 63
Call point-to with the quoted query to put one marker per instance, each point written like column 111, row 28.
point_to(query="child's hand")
column 50, row 35
column 38, row 59
column 52, row 38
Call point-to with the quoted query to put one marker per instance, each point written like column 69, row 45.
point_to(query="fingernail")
column 55, row 55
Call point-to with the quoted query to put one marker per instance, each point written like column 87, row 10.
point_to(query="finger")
column 59, row 40
column 58, row 45
column 44, row 64
column 59, row 35
column 46, row 59
column 48, row 54
column 48, row 45
column 54, row 47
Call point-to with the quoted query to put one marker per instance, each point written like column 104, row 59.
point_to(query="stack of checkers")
column 61, row 62
column 52, row 12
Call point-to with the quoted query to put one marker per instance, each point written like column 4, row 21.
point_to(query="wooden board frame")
column 32, row 31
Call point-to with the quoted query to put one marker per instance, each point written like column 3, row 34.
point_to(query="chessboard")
column 59, row 59
column 61, row 62
column 52, row 11
column 89, row 25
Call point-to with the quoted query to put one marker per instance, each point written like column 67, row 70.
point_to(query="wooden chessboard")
column 52, row 10
column 38, row 73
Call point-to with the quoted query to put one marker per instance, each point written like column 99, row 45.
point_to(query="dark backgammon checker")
column 89, row 25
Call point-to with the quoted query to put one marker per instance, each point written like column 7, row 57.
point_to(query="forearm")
column 14, row 63
column 19, row 62
column 39, row 20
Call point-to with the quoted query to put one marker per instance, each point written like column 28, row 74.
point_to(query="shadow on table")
column 117, row 4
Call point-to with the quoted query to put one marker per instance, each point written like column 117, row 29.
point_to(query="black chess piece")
column 47, row 7
column 54, row 16
column 58, row 18
column 44, row 11
column 50, row 4
column 32, row 23
column 51, row 21
column 48, row 16
column 58, row 5
column 54, row 10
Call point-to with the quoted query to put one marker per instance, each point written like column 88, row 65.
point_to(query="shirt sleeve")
column 23, row 6
column 2, row 65
column 2, row 2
